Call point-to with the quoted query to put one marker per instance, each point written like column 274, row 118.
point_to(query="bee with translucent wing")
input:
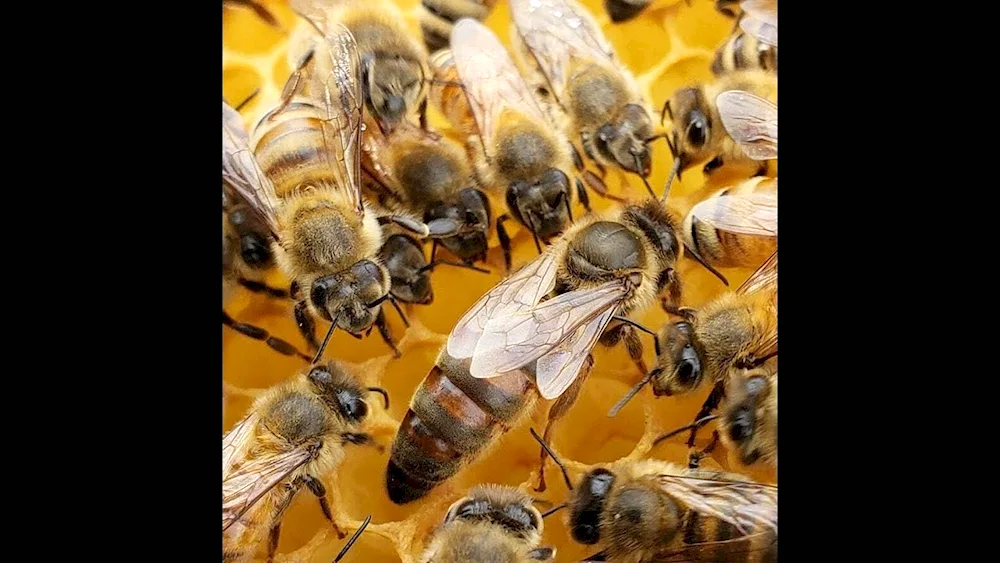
column 736, row 226
column 751, row 121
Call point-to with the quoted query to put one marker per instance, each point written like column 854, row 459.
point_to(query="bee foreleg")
column 317, row 488
column 423, row 114
column 257, row 333
column 712, row 165
column 599, row 186
column 383, row 329
column 706, row 409
column 581, row 193
column 635, row 349
column 558, row 410
column 577, row 159
column 306, row 324
column 504, row 240
column 258, row 287
column 694, row 458
column 361, row 439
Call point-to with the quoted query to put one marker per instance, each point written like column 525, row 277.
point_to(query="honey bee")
column 737, row 330
column 743, row 51
column 262, row 12
column 246, row 250
column 760, row 19
column 751, row 121
column 597, row 98
column 428, row 175
column 649, row 510
column 514, row 147
column 735, row 226
column 749, row 421
column 409, row 271
column 328, row 244
column 438, row 16
column 512, row 346
column 492, row 523
column 294, row 434
column 393, row 65
column 698, row 134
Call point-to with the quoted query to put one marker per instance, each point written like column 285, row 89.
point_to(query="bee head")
column 624, row 10
column 542, row 206
column 679, row 366
column 254, row 242
column 623, row 140
column 587, row 504
column 404, row 259
column 393, row 87
column 352, row 298
column 471, row 211
column 740, row 420
column 339, row 391
column 692, row 124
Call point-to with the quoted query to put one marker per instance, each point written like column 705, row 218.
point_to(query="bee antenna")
column 555, row 458
column 628, row 396
column 554, row 509
column 708, row 267
column 247, row 100
column 433, row 265
column 675, row 171
column 696, row 424
column 534, row 235
column 326, row 340
column 353, row 539
column 638, row 166
column 395, row 305
column 383, row 392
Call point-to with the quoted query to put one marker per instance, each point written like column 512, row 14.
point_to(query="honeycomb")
column 671, row 44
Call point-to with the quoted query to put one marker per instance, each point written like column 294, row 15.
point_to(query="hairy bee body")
column 749, row 422
column 454, row 417
column 492, row 523
column 437, row 17
column 319, row 232
column 626, row 509
column 296, row 414
column 742, row 51
column 725, row 332
column 726, row 248
column 701, row 135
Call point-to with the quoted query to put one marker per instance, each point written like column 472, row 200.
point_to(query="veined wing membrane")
column 751, row 121
column 234, row 443
column 748, row 214
column 242, row 489
column 242, row 173
column 557, row 370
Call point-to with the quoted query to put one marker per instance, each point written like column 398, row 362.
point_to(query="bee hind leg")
column 275, row 533
column 694, row 458
column 278, row 345
column 558, row 410
column 306, row 324
column 317, row 488
column 504, row 240
column 711, row 403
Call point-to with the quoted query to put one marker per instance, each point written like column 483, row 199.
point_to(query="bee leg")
column 257, row 333
column 504, row 240
column 762, row 169
column 712, row 165
column 581, row 193
column 423, row 114
column 306, row 324
column 258, row 287
column 361, row 439
column 706, row 409
column 577, row 159
column 599, row 556
column 558, row 410
column 292, row 85
column 584, row 139
column 541, row 554
column 599, row 187
column 635, row 349
column 317, row 488
column 383, row 329
column 272, row 540
column 694, row 458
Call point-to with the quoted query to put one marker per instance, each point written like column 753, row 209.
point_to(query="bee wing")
column 556, row 32
column 708, row 550
column 515, row 340
column 558, row 369
column 751, row 121
column 235, row 442
column 242, row 173
column 750, row 507
column 243, row 488
column 765, row 277
column 341, row 95
column 521, row 291
column 749, row 214
column 761, row 20
column 492, row 83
